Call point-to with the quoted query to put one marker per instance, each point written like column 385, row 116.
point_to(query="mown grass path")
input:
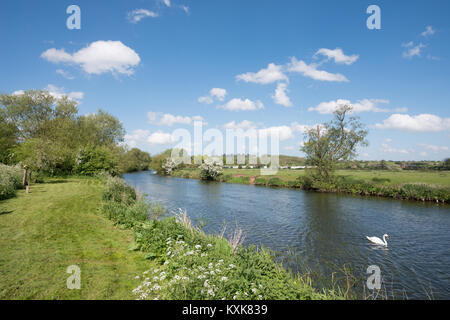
column 58, row 225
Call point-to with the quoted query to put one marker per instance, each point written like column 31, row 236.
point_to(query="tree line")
column 47, row 134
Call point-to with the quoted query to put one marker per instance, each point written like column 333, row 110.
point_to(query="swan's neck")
column 384, row 239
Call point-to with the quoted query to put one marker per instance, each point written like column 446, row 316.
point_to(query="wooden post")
column 26, row 179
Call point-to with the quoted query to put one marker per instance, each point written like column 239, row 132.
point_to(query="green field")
column 438, row 178
column 56, row 226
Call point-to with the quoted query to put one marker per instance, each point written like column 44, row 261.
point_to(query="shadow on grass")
column 5, row 212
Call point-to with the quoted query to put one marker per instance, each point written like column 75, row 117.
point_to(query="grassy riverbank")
column 411, row 185
column 123, row 255
column 55, row 226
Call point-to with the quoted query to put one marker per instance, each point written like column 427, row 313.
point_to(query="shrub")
column 275, row 182
column 118, row 191
column 10, row 180
column 260, row 181
column 210, row 170
column 92, row 160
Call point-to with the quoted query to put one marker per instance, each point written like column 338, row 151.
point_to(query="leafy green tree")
column 8, row 139
column 91, row 160
column 135, row 160
column 332, row 142
column 101, row 128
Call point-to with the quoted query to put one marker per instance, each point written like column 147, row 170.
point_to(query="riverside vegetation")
column 409, row 185
column 189, row 264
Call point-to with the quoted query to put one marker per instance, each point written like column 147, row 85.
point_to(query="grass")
column 55, row 226
column 438, row 178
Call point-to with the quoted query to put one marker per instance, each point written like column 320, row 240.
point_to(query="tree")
column 332, row 142
column 8, row 139
column 210, row 170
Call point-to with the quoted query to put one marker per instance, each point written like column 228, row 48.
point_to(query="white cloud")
column 185, row 8
column 284, row 132
column 206, row 100
column 281, row 97
column 419, row 123
column 273, row 73
column 337, row 55
column 65, row 74
column 99, row 57
column 429, row 31
column 136, row 137
column 388, row 149
column 302, row 128
column 364, row 105
column 214, row 93
column 18, row 92
column 170, row 119
column 312, row 72
column 244, row 125
column 159, row 138
column 137, row 15
column 57, row 93
column 433, row 147
column 413, row 50
column 218, row 93
column 242, row 105
column 167, row 2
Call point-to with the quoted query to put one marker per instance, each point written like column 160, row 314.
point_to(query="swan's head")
column 386, row 236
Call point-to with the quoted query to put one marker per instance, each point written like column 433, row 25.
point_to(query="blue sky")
column 159, row 65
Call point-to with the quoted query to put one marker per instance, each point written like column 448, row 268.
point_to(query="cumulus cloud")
column 136, row 137
column 310, row 70
column 97, row 58
column 242, row 105
column 218, row 93
column 159, row 138
column 167, row 2
column 283, row 132
column 302, row 128
column 170, row 119
column 57, row 93
column 280, row 96
column 215, row 93
column 429, row 31
column 337, row 55
column 271, row 74
column 137, row 15
column 419, row 123
column 244, row 125
column 364, row 105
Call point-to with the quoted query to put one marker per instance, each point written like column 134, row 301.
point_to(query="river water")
column 323, row 233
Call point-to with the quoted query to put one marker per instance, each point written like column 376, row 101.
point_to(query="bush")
column 118, row 191
column 260, row 181
column 210, row 171
column 92, row 160
column 10, row 180
column 275, row 182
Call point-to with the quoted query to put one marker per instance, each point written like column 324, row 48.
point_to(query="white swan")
column 377, row 240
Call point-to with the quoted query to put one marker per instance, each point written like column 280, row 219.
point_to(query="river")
column 323, row 233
